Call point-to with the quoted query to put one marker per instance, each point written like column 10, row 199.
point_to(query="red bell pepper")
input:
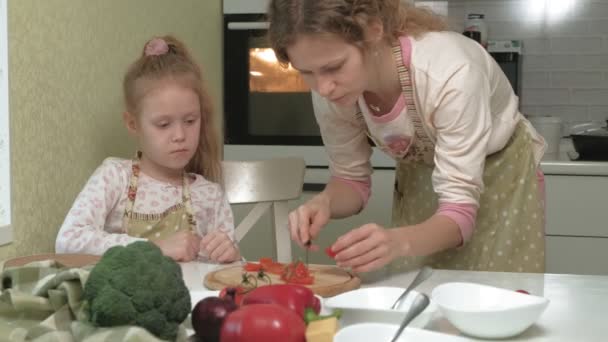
column 263, row 323
column 296, row 298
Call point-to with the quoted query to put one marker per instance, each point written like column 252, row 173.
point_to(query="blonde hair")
column 347, row 19
column 176, row 64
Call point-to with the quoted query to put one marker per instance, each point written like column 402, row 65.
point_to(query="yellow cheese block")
column 322, row 331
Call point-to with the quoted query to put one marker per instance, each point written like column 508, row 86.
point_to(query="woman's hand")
column 306, row 221
column 181, row 246
column 218, row 247
column 369, row 247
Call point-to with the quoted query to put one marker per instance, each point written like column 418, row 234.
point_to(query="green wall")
column 66, row 63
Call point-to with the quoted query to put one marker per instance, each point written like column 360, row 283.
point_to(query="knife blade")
column 307, row 245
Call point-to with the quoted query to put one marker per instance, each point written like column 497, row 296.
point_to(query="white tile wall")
column 565, row 44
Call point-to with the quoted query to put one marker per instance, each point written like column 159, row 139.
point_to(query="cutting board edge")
column 332, row 290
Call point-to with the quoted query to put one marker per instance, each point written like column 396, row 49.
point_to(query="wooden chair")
column 269, row 184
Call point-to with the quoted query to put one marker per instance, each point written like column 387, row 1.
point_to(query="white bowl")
column 486, row 311
column 366, row 332
column 372, row 304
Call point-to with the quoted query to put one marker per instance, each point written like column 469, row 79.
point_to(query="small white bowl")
column 372, row 304
column 365, row 332
column 486, row 311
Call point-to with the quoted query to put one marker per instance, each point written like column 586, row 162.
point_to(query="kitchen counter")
column 577, row 311
column 562, row 164
column 574, row 168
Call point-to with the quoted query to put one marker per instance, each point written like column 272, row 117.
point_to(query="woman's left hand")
column 368, row 247
column 218, row 247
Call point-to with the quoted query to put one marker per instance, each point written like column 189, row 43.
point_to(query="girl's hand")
column 218, row 247
column 306, row 221
column 181, row 246
column 369, row 247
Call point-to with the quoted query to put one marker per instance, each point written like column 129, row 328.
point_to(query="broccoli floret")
column 138, row 285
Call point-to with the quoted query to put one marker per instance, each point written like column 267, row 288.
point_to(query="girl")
column 467, row 195
column 169, row 194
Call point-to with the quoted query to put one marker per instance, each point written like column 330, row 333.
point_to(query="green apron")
column 157, row 226
column 509, row 228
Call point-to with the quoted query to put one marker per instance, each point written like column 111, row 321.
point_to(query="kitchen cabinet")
column 577, row 228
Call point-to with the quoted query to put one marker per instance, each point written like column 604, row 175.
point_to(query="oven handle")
column 248, row 25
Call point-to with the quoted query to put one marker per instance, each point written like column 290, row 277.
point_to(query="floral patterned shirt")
column 94, row 223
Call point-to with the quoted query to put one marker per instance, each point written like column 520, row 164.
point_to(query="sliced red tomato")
column 301, row 270
column 309, row 280
column 252, row 267
column 330, row 253
column 297, row 273
column 272, row 267
column 266, row 261
column 275, row 268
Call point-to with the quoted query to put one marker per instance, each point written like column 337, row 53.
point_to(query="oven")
column 268, row 108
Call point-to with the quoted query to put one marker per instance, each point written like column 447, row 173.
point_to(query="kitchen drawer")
column 577, row 255
column 577, row 205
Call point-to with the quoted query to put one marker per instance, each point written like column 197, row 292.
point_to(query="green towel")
column 42, row 302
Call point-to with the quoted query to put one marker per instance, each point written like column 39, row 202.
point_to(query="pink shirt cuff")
column 463, row 214
column 363, row 188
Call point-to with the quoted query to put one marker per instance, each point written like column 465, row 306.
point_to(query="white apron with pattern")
column 157, row 226
column 509, row 230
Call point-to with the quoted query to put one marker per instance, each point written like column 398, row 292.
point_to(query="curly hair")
column 346, row 18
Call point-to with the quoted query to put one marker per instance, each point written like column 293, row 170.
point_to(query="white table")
column 578, row 311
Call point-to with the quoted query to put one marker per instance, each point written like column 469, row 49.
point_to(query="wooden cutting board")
column 329, row 280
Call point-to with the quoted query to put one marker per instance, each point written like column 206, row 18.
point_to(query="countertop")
column 561, row 163
column 577, row 311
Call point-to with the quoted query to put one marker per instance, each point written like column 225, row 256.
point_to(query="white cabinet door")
column 577, row 229
column 577, row 255
column 577, row 205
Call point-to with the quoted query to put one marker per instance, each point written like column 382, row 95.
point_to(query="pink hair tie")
column 156, row 47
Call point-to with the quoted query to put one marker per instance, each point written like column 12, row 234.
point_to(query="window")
column 5, row 179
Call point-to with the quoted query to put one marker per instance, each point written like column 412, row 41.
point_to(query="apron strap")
column 423, row 148
column 132, row 194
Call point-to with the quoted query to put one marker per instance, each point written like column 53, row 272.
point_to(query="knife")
column 307, row 245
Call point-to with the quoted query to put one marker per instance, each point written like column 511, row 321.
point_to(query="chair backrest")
column 270, row 184
column 269, row 180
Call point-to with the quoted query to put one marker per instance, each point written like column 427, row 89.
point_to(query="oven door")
column 264, row 103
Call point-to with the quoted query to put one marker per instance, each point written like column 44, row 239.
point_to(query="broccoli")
column 137, row 285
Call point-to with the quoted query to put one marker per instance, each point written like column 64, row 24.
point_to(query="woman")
column 468, row 192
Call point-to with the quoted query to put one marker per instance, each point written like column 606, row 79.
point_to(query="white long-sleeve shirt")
column 466, row 104
column 94, row 223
